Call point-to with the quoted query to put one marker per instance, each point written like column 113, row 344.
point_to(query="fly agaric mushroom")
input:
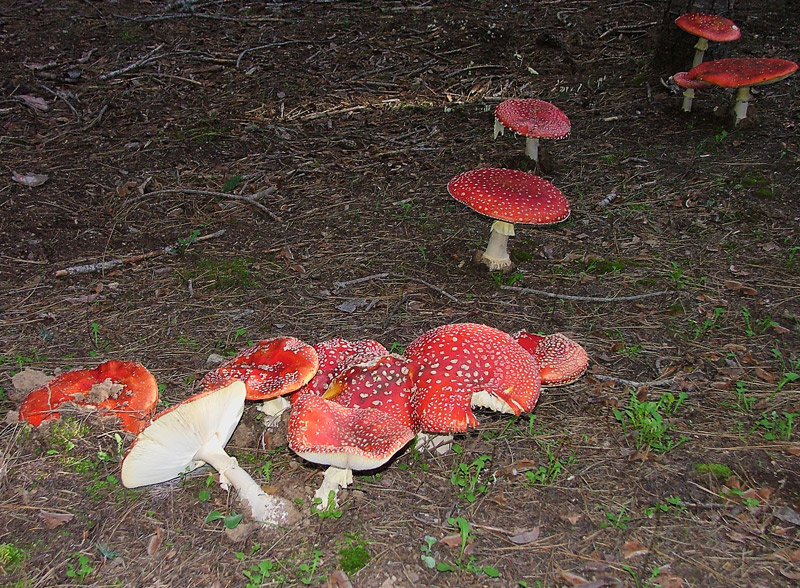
column 124, row 389
column 336, row 355
column 561, row 360
column 459, row 361
column 533, row 118
column 509, row 196
column 707, row 27
column 270, row 368
column 327, row 433
column 385, row 383
column 741, row 73
column 689, row 86
column 192, row 433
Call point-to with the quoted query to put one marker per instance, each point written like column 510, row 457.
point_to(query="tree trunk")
column 675, row 48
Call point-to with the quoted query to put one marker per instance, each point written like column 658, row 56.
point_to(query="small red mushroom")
column 741, row 73
column 707, row 27
column 533, row 118
column 458, row 361
column 270, row 368
column 561, row 360
column 124, row 389
column 385, row 383
column 510, row 196
column 689, row 86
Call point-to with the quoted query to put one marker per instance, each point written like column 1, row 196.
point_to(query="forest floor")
column 132, row 129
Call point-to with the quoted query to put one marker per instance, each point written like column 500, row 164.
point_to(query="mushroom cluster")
column 737, row 72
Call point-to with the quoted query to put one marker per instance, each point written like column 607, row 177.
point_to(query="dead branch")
column 585, row 298
column 112, row 263
column 250, row 199
column 634, row 383
column 150, row 57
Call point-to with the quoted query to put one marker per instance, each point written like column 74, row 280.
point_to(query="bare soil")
column 265, row 169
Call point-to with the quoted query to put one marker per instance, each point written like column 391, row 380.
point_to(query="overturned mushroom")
column 192, row 433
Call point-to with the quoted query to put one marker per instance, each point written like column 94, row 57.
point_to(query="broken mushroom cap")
column 336, row 355
column 533, row 118
column 325, row 432
column 561, row 360
column 510, row 196
column 741, row 73
column 707, row 27
column 689, row 86
column 385, row 383
column 124, row 389
column 192, row 433
column 269, row 368
column 459, row 361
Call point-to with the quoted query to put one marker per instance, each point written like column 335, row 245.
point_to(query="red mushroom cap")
column 684, row 81
column 459, row 360
column 269, row 368
column 336, row 355
column 533, row 118
column 737, row 72
column 384, row 383
column 709, row 26
column 324, row 432
column 561, row 360
column 131, row 395
column 510, row 195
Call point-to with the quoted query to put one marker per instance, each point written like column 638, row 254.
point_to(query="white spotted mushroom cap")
column 510, row 195
column 324, row 432
column 561, row 360
column 709, row 26
column 459, row 360
column 532, row 117
column 269, row 368
column 385, row 383
column 684, row 81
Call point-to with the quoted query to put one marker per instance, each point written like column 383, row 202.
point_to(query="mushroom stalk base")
column 742, row 99
column 335, row 479
column 496, row 255
column 499, row 129
column 263, row 507
column 688, row 97
column 532, row 148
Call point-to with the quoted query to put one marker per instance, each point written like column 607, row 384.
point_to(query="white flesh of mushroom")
column 499, row 129
column 742, row 99
column 496, row 254
column 334, row 480
column 273, row 410
column 532, row 148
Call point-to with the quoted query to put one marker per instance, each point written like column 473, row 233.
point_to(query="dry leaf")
column 451, row 541
column 572, row 579
column 34, row 102
column 765, row 376
column 55, row 519
column 526, row 537
column 788, row 515
column 339, row 579
column 792, row 575
column 155, row 541
column 793, row 450
column 790, row 555
column 30, row 180
column 633, row 549
column 666, row 581
column 572, row 517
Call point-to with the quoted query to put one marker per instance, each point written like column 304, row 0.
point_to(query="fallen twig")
column 634, row 383
column 150, row 57
column 584, row 298
column 249, row 199
column 111, row 263
column 340, row 285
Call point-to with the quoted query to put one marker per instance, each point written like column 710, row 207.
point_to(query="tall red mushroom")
column 457, row 362
column 510, row 196
column 707, row 27
column 741, row 73
column 533, row 118
column 124, row 389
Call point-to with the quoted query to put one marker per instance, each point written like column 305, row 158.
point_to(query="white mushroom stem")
column 700, row 49
column 532, row 148
column 263, row 507
column 334, row 480
column 273, row 410
column 499, row 129
column 688, row 96
column 496, row 254
column 742, row 98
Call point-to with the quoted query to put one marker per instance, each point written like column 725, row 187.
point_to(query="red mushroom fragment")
column 741, row 73
column 124, row 389
column 336, row 355
column 689, row 86
column 561, row 360
column 384, row 383
column 510, row 196
column 458, row 361
column 707, row 27
column 324, row 432
column 533, row 118
column 192, row 433
column 269, row 368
